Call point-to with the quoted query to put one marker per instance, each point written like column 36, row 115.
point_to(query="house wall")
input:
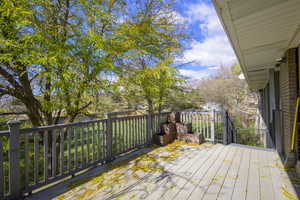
column 278, row 100
column 288, row 95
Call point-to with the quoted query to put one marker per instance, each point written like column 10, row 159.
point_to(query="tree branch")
column 10, row 78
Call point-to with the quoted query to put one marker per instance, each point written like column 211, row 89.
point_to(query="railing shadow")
column 138, row 167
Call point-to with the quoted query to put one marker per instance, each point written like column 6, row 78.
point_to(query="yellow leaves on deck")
column 119, row 174
column 287, row 194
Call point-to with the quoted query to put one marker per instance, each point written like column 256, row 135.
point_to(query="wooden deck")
column 181, row 171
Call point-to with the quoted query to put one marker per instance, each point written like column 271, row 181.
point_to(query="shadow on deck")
column 184, row 171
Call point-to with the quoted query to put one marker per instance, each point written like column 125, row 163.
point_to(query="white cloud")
column 215, row 49
column 196, row 75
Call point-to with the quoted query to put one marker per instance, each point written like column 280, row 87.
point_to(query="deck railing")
column 209, row 124
column 230, row 131
column 34, row 157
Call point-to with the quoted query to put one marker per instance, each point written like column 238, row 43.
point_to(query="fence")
column 209, row 124
column 246, row 136
column 34, row 157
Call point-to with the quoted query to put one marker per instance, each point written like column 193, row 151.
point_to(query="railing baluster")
column 109, row 142
column 26, row 161
column 46, row 156
column 88, row 144
column 123, row 137
column 200, row 124
column 93, row 142
column 98, row 141
column 197, row 122
column 103, row 133
column 36, row 157
column 114, row 137
column 135, row 133
column 138, row 131
column 82, row 147
column 119, row 136
column 14, row 159
column 53, row 153
column 127, row 133
column 75, row 149
column 146, row 129
column 205, row 125
column 131, row 133
column 62, row 151
column 129, row 127
column 69, row 149
column 141, row 130
column 206, row 129
column 212, row 125
column 1, row 170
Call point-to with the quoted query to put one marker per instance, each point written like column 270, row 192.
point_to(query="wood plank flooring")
column 186, row 171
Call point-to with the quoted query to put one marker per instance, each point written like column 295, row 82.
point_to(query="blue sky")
column 208, row 47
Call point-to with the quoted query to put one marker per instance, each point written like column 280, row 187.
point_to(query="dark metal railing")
column 229, row 129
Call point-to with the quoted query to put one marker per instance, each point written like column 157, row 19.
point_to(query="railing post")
column 278, row 137
column 212, row 125
column 109, row 132
column 149, row 128
column 14, row 159
column 225, row 128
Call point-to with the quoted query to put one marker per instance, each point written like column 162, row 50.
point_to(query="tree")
column 52, row 53
column 184, row 97
column 154, row 84
column 231, row 93
column 146, row 71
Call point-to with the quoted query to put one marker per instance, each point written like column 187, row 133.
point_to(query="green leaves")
column 58, row 51
column 152, row 83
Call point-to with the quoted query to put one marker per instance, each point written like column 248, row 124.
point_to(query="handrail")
column 57, row 126
column 4, row 133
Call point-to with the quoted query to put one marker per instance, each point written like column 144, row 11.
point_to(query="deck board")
column 266, row 185
column 185, row 173
column 240, row 188
column 190, row 185
column 231, row 177
column 159, row 183
column 253, row 185
column 218, row 180
column 192, row 172
column 204, row 182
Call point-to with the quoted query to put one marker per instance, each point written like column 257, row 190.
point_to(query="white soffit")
column 260, row 32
